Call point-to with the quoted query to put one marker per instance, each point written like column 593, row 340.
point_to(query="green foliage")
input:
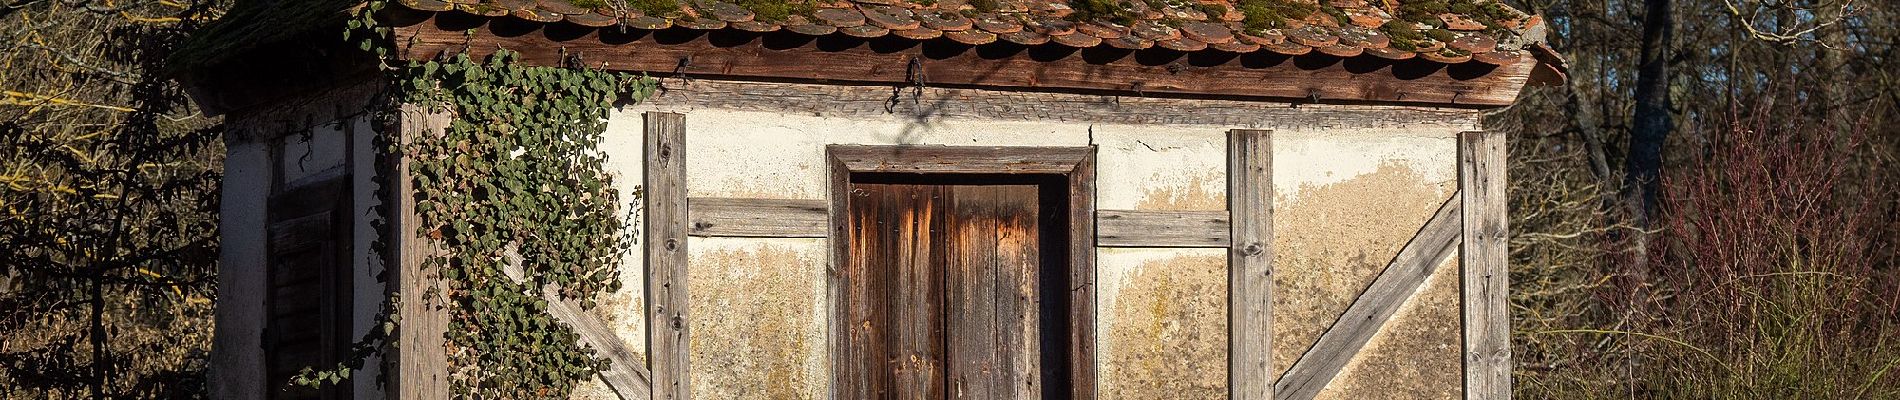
column 517, row 173
column 517, row 177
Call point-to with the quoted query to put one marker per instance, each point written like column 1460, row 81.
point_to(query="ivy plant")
column 517, row 177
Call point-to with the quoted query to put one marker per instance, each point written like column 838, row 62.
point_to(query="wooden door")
column 308, row 324
column 941, row 294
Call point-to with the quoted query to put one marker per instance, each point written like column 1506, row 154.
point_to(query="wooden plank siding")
column 1485, row 259
column 766, row 218
column 1250, row 264
column 1131, row 228
column 668, row 346
column 1401, row 280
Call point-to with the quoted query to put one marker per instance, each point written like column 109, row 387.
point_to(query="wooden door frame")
column 1075, row 164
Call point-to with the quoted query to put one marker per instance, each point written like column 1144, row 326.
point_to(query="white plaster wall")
column 237, row 365
column 756, row 154
column 368, row 295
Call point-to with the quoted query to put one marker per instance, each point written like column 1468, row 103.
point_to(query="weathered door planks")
column 943, row 280
column 1075, row 165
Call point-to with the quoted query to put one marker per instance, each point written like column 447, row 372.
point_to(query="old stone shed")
column 848, row 199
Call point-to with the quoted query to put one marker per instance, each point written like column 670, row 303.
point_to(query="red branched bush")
column 1770, row 269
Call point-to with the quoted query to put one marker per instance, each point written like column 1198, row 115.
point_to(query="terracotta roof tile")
column 1388, row 29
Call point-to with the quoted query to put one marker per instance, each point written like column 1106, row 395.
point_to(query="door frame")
column 1075, row 164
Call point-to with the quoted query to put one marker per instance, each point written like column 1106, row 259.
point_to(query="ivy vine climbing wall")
column 517, row 177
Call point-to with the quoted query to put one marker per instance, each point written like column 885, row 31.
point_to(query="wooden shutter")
column 308, row 299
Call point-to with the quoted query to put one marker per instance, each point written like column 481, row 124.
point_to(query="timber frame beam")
column 666, row 228
column 1485, row 257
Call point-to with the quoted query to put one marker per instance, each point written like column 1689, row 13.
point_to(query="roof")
column 254, row 23
column 1444, row 31
column 1465, row 53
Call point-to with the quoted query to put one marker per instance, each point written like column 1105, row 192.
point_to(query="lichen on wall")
column 1417, row 355
column 1332, row 240
column 1162, row 328
column 757, row 318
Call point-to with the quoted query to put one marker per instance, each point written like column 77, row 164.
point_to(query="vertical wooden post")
column 1485, row 258
column 667, row 330
column 421, row 365
column 1250, row 264
column 1082, row 369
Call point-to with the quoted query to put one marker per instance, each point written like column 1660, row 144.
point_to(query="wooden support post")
column 1250, row 264
column 421, row 365
column 1082, row 369
column 666, row 228
column 1485, row 258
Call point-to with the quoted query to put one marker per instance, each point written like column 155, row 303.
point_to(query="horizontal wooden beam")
column 960, row 159
column 728, row 217
column 837, row 58
column 1415, row 263
column 1127, row 228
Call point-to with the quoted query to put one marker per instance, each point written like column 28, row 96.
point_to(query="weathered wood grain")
column 1079, row 372
column 972, row 292
column 897, row 292
column 1250, row 264
column 1400, row 281
column 1486, row 257
column 1131, row 228
column 846, row 382
column 1082, row 369
column 420, row 371
column 666, row 227
column 729, row 217
column 627, row 376
column 1018, row 301
column 959, row 159
column 935, row 103
column 782, row 56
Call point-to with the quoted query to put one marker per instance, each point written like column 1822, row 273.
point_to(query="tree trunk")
column 1651, row 123
column 1832, row 61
